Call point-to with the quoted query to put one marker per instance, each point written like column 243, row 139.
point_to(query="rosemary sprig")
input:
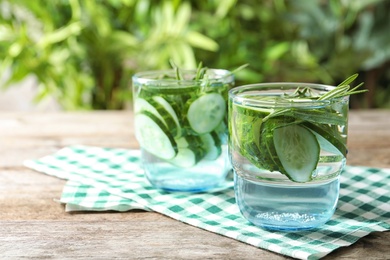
column 200, row 71
column 342, row 90
column 239, row 68
column 179, row 75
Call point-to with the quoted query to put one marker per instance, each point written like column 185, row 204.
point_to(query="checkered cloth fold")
column 112, row 179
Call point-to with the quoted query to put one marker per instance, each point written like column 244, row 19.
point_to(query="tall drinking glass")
column 181, row 126
column 287, row 147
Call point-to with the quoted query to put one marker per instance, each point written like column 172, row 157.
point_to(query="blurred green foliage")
column 84, row 52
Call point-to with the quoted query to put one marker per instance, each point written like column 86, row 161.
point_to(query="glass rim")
column 150, row 76
column 234, row 94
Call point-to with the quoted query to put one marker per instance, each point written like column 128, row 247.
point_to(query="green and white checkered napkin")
column 112, row 179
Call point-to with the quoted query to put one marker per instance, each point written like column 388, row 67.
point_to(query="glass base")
column 286, row 208
column 175, row 184
column 204, row 176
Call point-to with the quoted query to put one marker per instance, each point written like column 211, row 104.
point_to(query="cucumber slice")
column 206, row 113
column 160, row 108
column 298, row 151
column 141, row 104
column 325, row 144
column 192, row 141
column 212, row 146
column 222, row 131
column 172, row 115
column 182, row 142
column 153, row 136
column 185, row 158
column 330, row 134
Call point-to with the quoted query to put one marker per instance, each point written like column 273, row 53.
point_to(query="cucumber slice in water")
column 141, row 104
column 330, row 134
column 212, row 145
column 153, row 136
column 185, row 158
column 325, row 144
column 171, row 114
column 298, row 151
column 160, row 108
column 182, row 142
column 206, row 113
column 190, row 151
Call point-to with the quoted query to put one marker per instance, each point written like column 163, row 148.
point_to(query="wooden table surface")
column 34, row 225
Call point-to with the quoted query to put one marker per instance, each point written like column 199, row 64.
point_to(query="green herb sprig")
column 342, row 90
column 200, row 71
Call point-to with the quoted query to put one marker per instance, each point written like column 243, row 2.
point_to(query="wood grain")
column 34, row 225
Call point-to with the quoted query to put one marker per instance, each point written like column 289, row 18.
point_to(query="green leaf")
column 334, row 92
column 15, row 49
column 185, row 54
column 318, row 116
column 76, row 10
column 277, row 50
column 349, row 80
column 182, row 18
column 201, row 41
column 123, row 39
column 61, row 34
column 224, row 6
column 6, row 33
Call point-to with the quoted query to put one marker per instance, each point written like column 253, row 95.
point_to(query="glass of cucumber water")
column 180, row 119
column 287, row 146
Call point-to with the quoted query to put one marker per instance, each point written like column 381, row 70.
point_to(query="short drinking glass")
column 181, row 126
column 287, row 147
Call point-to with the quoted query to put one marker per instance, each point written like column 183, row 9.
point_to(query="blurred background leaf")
column 83, row 53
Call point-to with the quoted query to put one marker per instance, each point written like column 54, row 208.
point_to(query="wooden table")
column 34, row 225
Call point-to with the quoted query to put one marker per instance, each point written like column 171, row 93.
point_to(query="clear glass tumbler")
column 287, row 147
column 181, row 126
